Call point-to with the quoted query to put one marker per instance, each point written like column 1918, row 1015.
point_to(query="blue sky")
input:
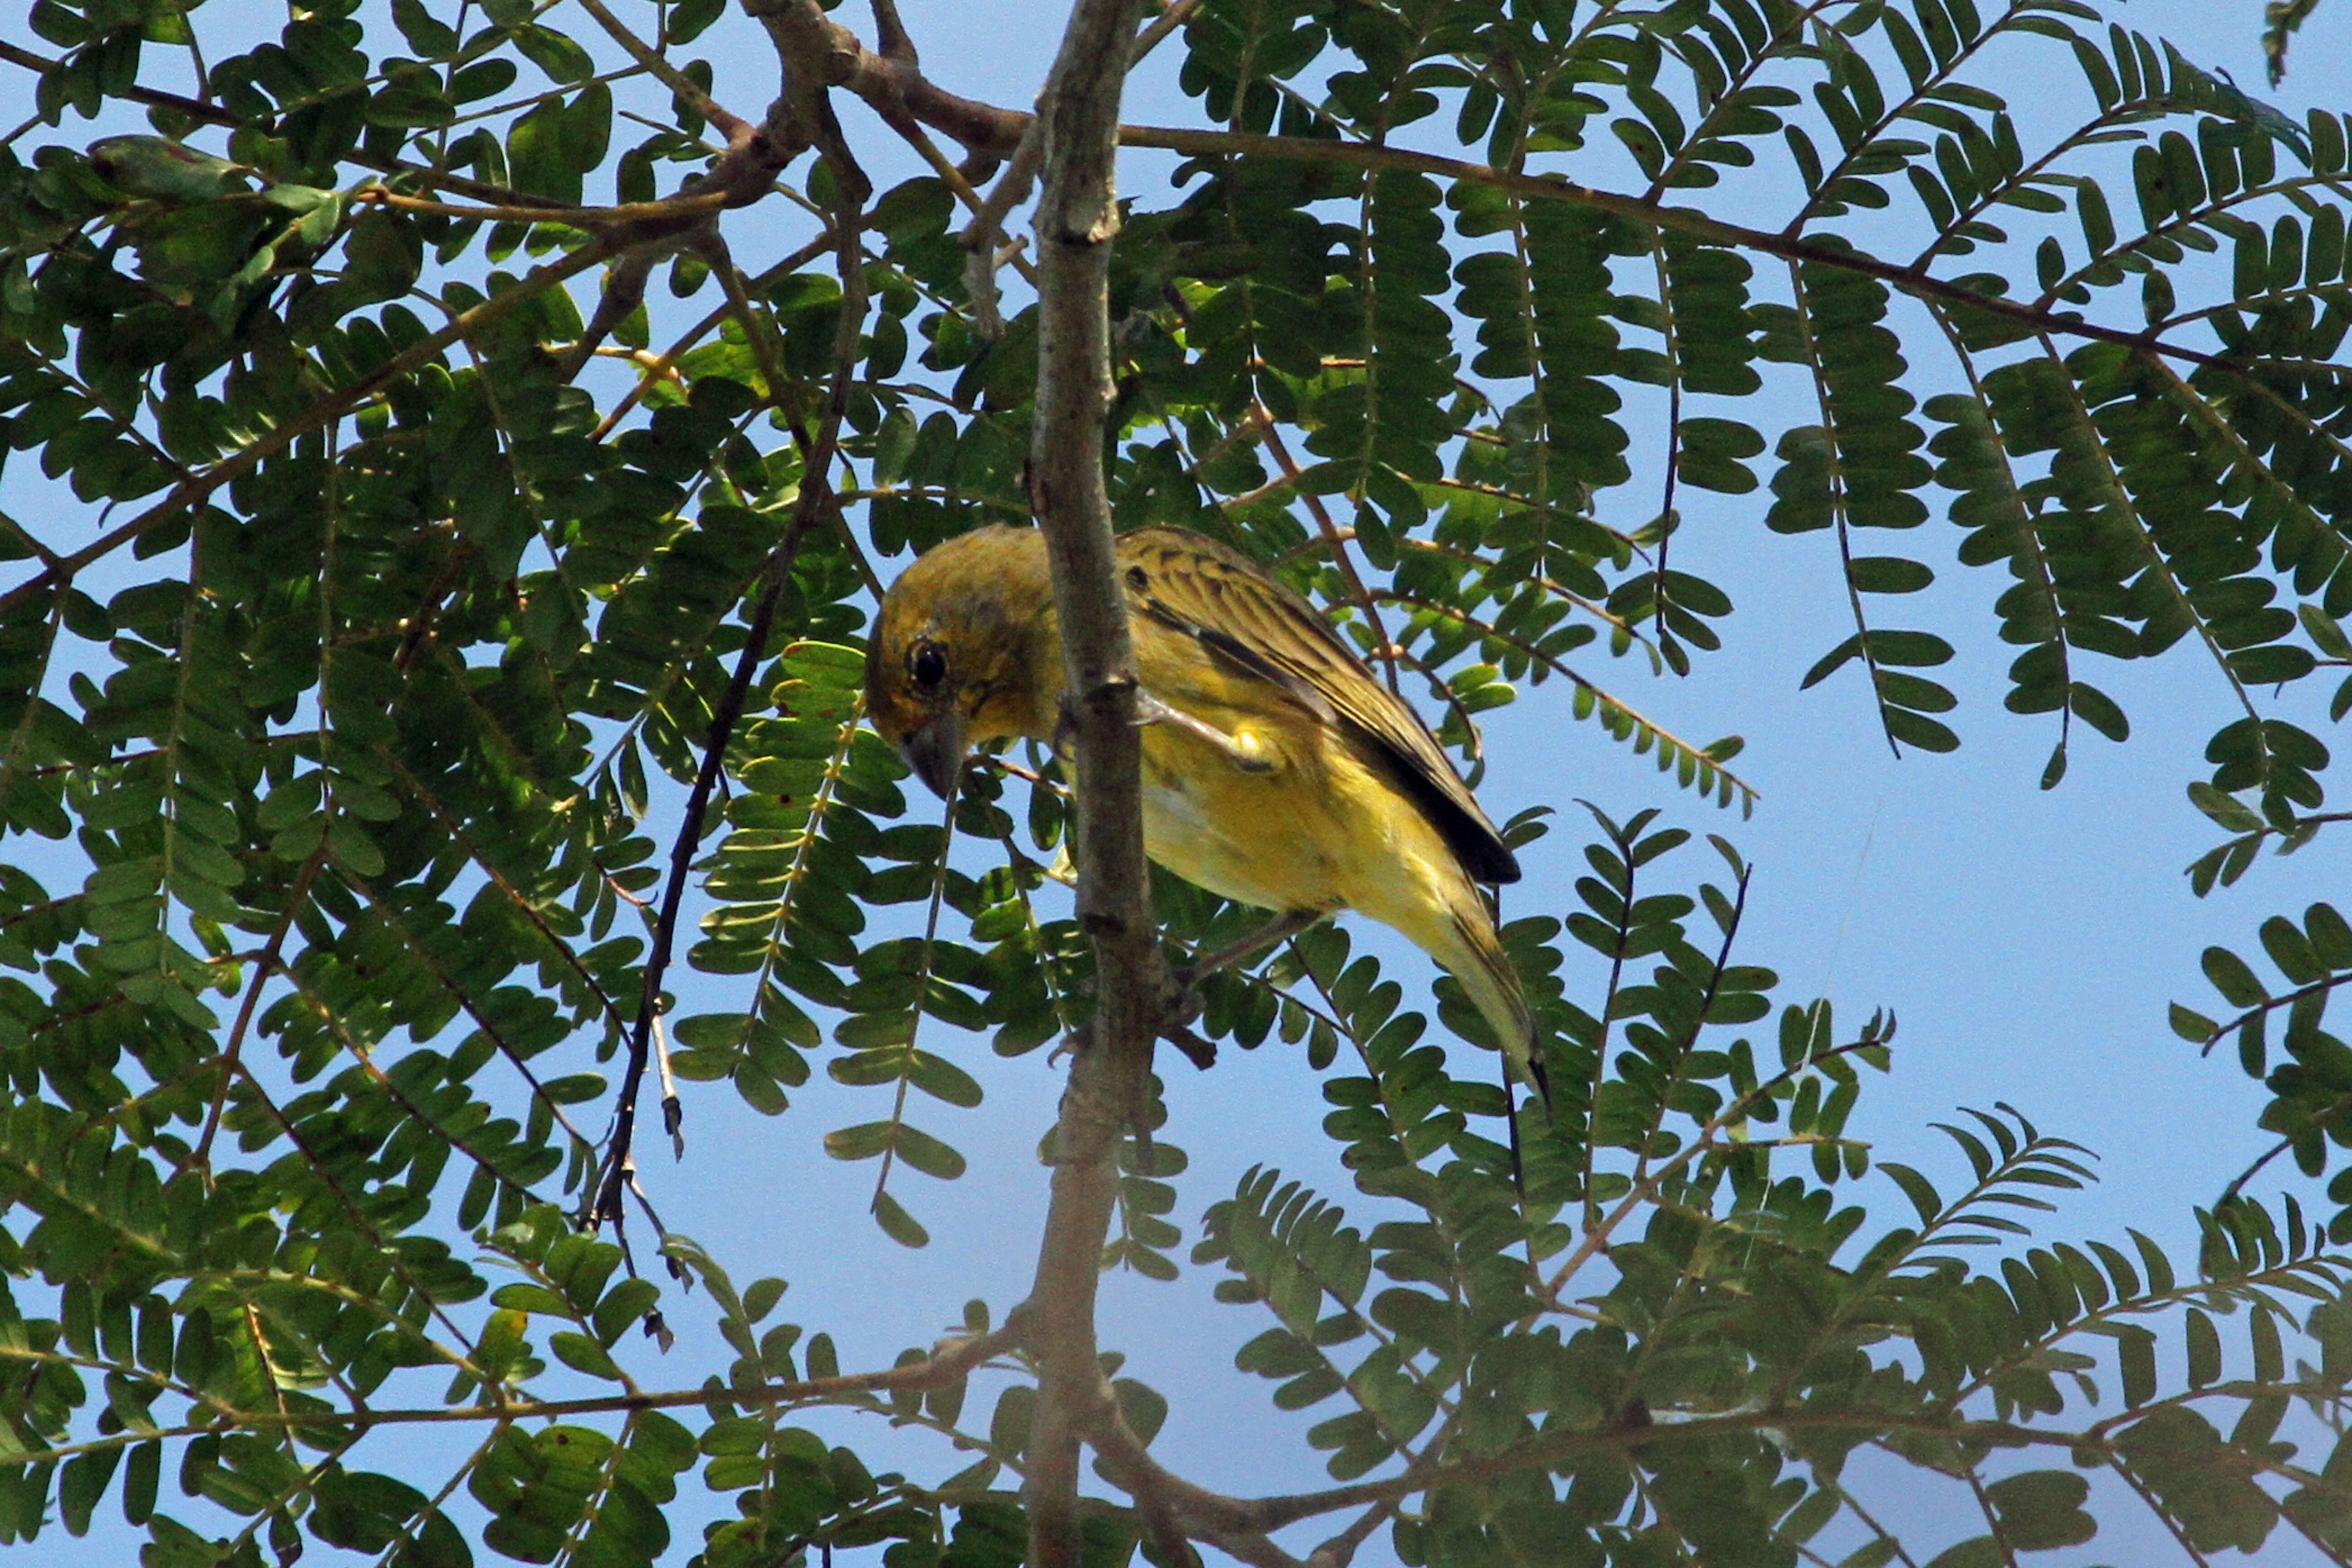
column 2029, row 941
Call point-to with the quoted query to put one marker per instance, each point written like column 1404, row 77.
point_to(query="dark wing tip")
column 1491, row 860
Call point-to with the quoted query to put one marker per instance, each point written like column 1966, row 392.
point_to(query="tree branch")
column 1077, row 214
column 1684, row 220
column 799, row 114
column 990, row 133
column 949, row 1362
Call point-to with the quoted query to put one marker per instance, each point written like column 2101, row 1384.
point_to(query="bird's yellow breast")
column 1265, row 838
column 1310, row 826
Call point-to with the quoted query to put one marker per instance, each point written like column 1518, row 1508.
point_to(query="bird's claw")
column 1180, row 1007
column 1200, row 1053
column 1180, row 1004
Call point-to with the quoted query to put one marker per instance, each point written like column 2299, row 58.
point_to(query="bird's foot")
column 1180, row 1004
column 1200, row 1053
column 1180, row 1007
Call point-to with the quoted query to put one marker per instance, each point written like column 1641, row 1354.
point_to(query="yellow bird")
column 1277, row 770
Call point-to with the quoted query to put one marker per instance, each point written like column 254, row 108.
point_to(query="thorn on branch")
column 672, row 1109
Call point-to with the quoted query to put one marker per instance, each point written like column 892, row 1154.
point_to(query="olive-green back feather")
column 1259, row 627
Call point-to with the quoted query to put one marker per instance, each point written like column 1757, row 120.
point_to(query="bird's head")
column 949, row 662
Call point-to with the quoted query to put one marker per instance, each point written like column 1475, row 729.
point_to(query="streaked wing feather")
column 1235, row 652
column 1260, row 627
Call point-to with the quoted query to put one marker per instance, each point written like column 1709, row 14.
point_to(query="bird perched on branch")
column 1276, row 770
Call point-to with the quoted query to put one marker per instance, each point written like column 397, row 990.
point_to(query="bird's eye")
column 928, row 665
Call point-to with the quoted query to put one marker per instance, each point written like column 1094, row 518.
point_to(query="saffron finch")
column 1277, row 770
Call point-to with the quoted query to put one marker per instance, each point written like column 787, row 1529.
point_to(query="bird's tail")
column 1476, row 959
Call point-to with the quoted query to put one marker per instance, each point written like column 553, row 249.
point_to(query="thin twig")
column 661, row 366
column 951, row 1362
column 1156, row 32
column 264, row 966
column 688, row 205
column 672, row 1109
column 981, row 236
column 759, row 332
column 1341, row 1549
column 1683, row 220
column 1330, row 531
column 803, row 104
column 688, row 89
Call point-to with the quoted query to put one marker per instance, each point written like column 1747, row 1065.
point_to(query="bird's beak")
column 936, row 752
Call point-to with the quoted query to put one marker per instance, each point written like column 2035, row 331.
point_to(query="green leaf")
column 582, row 1354
column 863, row 1142
column 899, row 1227
column 1917, row 730
column 429, row 36
column 1888, row 574
column 1831, row 662
column 942, row 1080
column 1977, row 1552
column 156, row 167
column 928, row 1154
column 351, row 846
column 2204, row 1350
column 2232, row 979
column 2136, row 1347
column 2042, row 1511
column 1907, row 647
column 563, row 60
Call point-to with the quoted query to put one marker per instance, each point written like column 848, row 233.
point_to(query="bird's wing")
column 1260, row 628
